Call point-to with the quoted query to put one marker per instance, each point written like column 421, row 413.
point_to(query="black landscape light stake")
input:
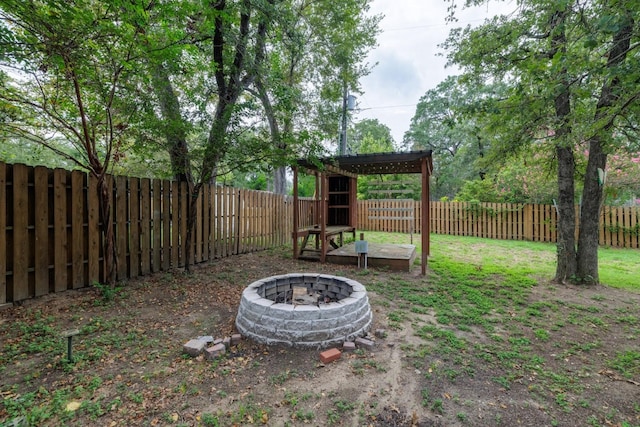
column 69, row 336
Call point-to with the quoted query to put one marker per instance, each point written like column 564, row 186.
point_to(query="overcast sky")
column 407, row 59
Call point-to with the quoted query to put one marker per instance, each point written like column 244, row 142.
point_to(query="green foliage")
column 570, row 73
column 443, row 122
column 479, row 190
column 72, row 91
column 370, row 136
column 372, row 187
column 627, row 363
column 107, row 292
column 281, row 378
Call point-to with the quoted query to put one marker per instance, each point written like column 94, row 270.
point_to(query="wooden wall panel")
column 156, row 205
column 121, row 226
column 20, row 267
column 60, row 229
column 134, row 227
column 41, row 229
column 93, row 231
column 145, row 226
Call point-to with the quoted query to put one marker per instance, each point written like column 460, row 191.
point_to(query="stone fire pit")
column 304, row 310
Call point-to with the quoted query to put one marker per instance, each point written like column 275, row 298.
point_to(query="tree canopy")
column 188, row 88
column 572, row 78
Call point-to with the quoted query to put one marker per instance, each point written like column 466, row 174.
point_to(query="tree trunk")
column 192, row 209
column 587, row 270
column 566, row 248
column 587, row 256
column 174, row 129
column 280, row 173
column 109, row 238
column 230, row 84
column 280, row 180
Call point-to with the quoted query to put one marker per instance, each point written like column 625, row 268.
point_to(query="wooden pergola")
column 336, row 189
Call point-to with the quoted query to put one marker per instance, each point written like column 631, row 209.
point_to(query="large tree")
column 196, row 87
column 446, row 122
column 65, row 84
column 280, row 53
column 317, row 49
column 572, row 69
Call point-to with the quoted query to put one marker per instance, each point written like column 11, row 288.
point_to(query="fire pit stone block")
column 342, row 311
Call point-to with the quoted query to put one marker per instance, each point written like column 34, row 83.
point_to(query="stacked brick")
column 210, row 347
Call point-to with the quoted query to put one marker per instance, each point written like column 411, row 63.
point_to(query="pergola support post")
column 296, row 213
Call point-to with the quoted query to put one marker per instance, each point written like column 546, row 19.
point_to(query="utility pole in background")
column 348, row 104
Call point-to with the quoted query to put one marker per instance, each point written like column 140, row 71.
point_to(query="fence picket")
column 175, row 228
column 20, row 241
column 198, row 229
column 134, row 227
column 77, row 235
column 60, row 229
column 206, row 213
column 41, row 246
column 145, row 226
column 122, row 230
column 634, row 228
column 620, row 220
column 156, row 227
column 93, row 231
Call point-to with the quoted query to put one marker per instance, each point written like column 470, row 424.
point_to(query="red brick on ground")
column 235, row 339
column 330, row 355
column 216, row 350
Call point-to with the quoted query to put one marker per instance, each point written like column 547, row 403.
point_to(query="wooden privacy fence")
column 50, row 226
column 51, row 230
column 619, row 226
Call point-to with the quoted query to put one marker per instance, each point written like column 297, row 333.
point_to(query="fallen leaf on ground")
column 73, row 405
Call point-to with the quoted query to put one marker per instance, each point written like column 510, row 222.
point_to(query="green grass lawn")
column 619, row 268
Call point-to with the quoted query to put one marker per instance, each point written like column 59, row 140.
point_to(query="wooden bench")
column 331, row 233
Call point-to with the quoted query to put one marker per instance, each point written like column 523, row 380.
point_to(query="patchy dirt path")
column 548, row 359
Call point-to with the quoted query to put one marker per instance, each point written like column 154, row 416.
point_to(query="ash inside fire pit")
column 304, row 310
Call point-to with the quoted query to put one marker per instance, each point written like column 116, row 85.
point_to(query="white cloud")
column 407, row 57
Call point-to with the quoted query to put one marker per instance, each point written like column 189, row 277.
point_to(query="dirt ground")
column 130, row 369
